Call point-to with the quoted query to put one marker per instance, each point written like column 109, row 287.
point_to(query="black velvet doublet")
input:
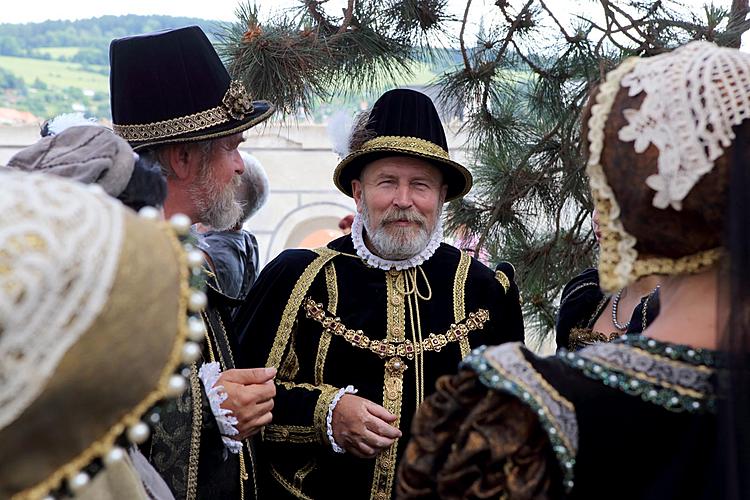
column 464, row 304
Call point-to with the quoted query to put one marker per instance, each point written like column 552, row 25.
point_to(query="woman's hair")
column 734, row 430
column 147, row 186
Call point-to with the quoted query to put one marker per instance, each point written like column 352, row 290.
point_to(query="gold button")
column 396, row 300
column 393, row 272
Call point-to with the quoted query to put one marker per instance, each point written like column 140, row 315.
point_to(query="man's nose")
column 403, row 197
column 239, row 165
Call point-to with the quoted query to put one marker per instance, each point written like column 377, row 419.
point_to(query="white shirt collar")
column 373, row 260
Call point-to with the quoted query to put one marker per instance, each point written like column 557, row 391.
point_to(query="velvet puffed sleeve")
column 469, row 441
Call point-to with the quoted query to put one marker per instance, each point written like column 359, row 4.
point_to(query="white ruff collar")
column 373, row 260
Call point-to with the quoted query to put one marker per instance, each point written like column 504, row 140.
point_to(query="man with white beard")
column 174, row 102
column 361, row 330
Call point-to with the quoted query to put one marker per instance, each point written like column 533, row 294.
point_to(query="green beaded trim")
column 634, row 385
column 492, row 379
column 677, row 352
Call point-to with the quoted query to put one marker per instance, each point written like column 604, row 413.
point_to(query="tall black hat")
column 404, row 122
column 171, row 86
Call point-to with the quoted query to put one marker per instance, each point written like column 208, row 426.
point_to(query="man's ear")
column 357, row 193
column 180, row 158
column 443, row 193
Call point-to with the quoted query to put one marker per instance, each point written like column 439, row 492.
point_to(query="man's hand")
column 362, row 427
column 250, row 394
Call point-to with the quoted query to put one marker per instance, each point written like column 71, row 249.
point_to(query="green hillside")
column 58, row 74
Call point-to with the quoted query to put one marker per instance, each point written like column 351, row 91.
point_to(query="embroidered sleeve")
column 300, row 413
column 469, row 441
column 209, row 374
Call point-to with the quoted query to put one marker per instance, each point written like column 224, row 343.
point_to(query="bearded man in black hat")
column 174, row 102
column 361, row 329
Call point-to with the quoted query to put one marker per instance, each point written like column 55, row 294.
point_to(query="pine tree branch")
column 348, row 14
column 467, row 64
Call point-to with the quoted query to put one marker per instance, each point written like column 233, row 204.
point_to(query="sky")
column 223, row 10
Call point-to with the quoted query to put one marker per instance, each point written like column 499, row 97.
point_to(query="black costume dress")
column 633, row 418
column 327, row 320
column 581, row 304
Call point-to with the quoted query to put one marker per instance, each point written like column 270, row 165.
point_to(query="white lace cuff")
column 209, row 374
column 329, row 428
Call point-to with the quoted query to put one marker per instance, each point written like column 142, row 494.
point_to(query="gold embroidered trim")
column 388, row 348
column 502, row 278
column 385, row 463
column 236, row 104
column 582, row 337
column 287, row 485
column 393, row 383
column 395, row 306
column 195, row 434
column 412, row 144
column 297, row 434
column 103, row 445
column 459, row 298
column 619, row 263
column 289, row 316
column 290, row 364
column 325, row 340
column 301, row 474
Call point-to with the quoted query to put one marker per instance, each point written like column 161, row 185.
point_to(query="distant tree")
column 9, row 81
column 92, row 55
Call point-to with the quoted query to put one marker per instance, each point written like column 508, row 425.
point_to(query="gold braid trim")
column 298, row 434
column 301, row 474
column 104, row 444
column 619, row 263
column 502, row 278
column 459, row 298
column 325, row 339
column 393, row 384
column 388, row 348
column 289, row 315
column 287, row 485
column 411, row 144
column 195, row 434
column 236, row 104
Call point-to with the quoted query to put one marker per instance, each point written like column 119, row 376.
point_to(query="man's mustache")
column 396, row 215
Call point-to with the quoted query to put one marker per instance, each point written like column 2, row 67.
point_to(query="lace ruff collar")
column 373, row 260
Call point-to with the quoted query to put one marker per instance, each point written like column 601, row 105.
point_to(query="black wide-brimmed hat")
column 171, row 86
column 404, row 122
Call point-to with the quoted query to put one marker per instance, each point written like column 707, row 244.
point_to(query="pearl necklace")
column 616, row 302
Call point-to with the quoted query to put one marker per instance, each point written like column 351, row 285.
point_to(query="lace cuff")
column 329, row 427
column 209, row 374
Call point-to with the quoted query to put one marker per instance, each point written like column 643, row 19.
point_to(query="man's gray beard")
column 216, row 207
column 398, row 243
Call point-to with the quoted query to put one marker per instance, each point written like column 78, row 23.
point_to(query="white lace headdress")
column 694, row 96
column 58, row 257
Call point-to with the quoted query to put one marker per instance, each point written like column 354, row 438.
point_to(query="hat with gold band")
column 171, row 86
column 403, row 122
column 93, row 327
